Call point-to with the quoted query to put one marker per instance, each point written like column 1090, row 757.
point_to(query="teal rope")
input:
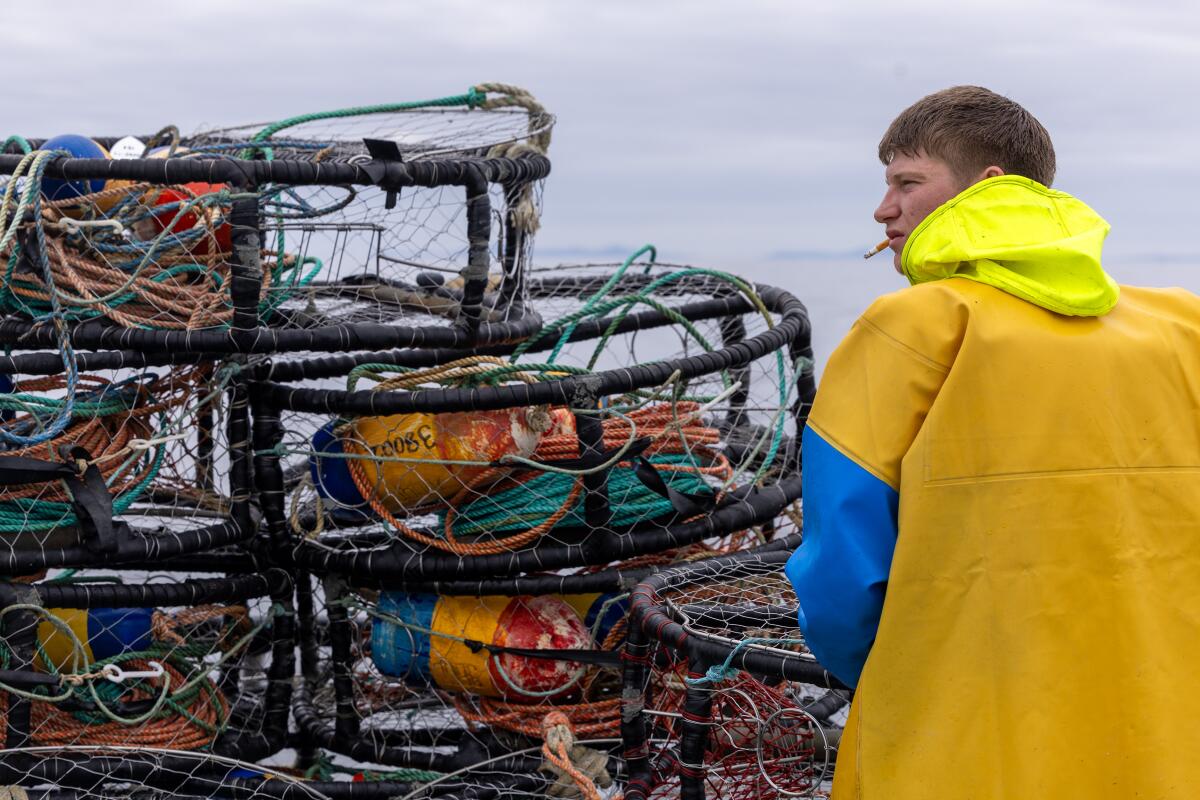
column 723, row 671
column 532, row 502
column 471, row 99
column 570, row 322
column 20, row 142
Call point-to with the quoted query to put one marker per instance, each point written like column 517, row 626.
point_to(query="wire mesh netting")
column 73, row 772
column 721, row 693
column 148, row 659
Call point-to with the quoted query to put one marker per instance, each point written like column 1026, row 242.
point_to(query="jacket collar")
column 1013, row 233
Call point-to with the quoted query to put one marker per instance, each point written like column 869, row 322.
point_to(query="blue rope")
column 55, row 317
column 723, row 672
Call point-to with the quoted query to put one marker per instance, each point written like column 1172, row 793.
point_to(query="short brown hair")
column 971, row 129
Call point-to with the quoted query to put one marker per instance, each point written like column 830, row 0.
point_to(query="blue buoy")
column 331, row 476
column 79, row 147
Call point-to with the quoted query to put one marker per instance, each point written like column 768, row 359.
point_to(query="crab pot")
column 122, row 457
column 208, row 247
column 716, row 671
column 428, row 679
column 196, row 663
column 428, row 465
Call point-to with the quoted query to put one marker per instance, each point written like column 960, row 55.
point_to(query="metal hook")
column 118, row 675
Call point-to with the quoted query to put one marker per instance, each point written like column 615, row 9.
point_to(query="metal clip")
column 118, row 675
column 69, row 226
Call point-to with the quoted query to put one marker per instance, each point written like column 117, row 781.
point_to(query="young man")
column 1002, row 490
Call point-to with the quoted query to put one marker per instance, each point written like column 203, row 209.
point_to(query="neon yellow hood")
column 1013, row 233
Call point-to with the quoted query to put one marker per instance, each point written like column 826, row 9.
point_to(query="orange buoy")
column 422, row 459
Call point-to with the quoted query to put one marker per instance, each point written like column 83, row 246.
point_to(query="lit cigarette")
column 877, row 249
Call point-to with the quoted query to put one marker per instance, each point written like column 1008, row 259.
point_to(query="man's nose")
column 888, row 209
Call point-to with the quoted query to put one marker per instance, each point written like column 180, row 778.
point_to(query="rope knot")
column 578, row 770
column 557, row 731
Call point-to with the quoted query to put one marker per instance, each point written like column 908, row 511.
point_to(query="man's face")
column 916, row 185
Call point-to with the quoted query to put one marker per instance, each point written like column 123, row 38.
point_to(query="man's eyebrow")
column 896, row 177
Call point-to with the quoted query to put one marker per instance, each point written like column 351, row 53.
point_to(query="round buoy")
column 127, row 147
column 124, row 148
column 197, row 216
column 132, row 148
column 330, row 472
column 79, row 147
column 419, row 638
column 600, row 612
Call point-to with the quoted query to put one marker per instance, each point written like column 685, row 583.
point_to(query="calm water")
column 836, row 292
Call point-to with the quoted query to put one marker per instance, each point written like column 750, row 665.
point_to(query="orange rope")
column 160, row 300
column 105, row 437
column 601, row 718
column 192, row 728
column 557, row 728
column 164, row 627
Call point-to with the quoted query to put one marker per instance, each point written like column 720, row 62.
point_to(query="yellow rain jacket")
column 1032, row 434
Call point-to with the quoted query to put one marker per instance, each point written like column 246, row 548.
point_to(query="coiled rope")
column 188, row 711
column 121, row 425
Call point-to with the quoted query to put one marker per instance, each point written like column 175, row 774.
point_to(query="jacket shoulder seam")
column 908, row 349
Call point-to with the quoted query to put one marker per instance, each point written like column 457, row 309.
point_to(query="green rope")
column 30, row 514
column 471, row 99
column 534, row 501
column 411, row 775
column 102, row 694
column 19, row 141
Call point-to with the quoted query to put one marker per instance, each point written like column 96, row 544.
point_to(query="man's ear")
column 990, row 172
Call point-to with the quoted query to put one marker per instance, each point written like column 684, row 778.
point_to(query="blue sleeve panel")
column 840, row 572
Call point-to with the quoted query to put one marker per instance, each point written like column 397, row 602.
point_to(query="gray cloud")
column 720, row 131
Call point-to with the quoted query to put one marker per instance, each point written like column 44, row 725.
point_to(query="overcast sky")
column 728, row 133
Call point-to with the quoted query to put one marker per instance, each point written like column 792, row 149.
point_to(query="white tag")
column 129, row 147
